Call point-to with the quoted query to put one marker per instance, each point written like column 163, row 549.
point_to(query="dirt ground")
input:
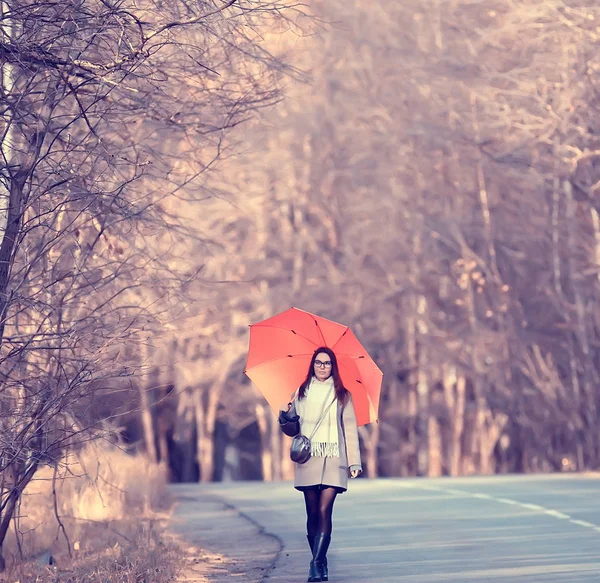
column 220, row 543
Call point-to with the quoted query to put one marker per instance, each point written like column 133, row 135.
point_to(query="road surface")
column 525, row 529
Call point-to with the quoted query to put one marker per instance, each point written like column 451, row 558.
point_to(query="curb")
column 224, row 541
column 261, row 532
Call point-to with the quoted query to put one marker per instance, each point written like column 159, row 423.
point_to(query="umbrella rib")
column 355, row 357
column 352, row 373
column 259, row 325
column 338, row 340
column 320, row 331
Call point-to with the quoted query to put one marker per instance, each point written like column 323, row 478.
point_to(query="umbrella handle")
column 292, row 399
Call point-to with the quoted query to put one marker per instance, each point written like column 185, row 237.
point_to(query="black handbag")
column 290, row 425
column 300, row 447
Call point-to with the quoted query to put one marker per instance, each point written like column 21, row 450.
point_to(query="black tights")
column 319, row 508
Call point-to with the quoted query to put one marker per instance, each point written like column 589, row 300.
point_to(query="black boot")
column 320, row 547
column 311, row 544
column 313, row 573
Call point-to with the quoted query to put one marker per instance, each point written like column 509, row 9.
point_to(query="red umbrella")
column 280, row 351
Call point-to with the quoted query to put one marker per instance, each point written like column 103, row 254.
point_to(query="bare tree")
column 112, row 112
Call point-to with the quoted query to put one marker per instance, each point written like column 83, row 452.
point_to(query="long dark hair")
column 340, row 391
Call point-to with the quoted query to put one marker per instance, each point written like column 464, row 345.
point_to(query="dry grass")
column 114, row 508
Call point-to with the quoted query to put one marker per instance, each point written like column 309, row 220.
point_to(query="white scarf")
column 318, row 397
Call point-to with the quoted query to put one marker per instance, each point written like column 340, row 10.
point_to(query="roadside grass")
column 100, row 518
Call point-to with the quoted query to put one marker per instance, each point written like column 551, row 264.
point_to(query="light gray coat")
column 331, row 471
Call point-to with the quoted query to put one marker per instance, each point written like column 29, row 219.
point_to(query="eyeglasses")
column 325, row 364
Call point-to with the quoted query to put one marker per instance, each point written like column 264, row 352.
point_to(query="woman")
column 323, row 404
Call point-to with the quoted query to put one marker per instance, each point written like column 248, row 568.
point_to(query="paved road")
column 525, row 529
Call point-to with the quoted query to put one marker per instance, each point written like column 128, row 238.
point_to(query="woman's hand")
column 355, row 472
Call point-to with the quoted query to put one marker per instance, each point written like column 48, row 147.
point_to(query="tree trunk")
column 454, row 392
column 146, row 391
column 434, row 441
column 266, row 449
column 483, row 194
column 163, row 445
column 491, row 432
column 423, row 388
column 8, row 245
column 20, row 169
column 206, row 418
column 148, row 424
column 287, row 465
column 370, row 439
column 412, row 409
column 596, row 224
column 589, row 374
column 204, row 439
column 556, row 268
column 9, row 509
column 275, row 440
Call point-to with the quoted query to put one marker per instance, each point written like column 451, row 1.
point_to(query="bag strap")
column 322, row 417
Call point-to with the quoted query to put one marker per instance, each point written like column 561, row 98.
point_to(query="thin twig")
column 61, row 526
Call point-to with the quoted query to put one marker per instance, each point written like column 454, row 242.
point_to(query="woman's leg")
column 312, row 501
column 326, row 510
column 322, row 540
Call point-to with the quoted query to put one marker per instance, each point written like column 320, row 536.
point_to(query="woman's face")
column 322, row 366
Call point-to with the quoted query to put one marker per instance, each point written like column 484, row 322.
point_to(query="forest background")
column 424, row 172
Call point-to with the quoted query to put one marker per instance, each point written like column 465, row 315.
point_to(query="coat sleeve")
column 289, row 421
column 351, row 434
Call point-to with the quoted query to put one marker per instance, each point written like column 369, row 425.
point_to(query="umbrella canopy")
column 280, row 351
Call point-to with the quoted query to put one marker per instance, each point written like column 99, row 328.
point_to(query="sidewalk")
column 222, row 544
